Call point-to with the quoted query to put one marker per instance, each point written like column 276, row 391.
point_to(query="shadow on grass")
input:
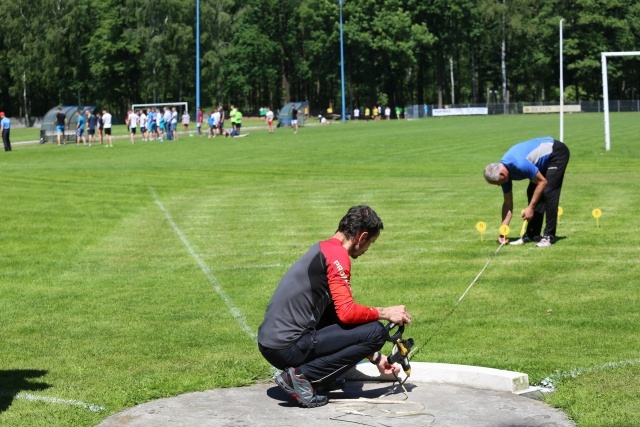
column 12, row 382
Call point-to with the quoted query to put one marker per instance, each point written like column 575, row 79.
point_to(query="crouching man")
column 313, row 329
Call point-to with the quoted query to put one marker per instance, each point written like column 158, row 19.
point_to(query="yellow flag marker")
column 524, row 226
column 481, row 227
column 597, row 213
column 504, row 231
column 560, row 211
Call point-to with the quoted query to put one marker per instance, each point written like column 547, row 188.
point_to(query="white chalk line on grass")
column 549, row 382
column 70, row 402
column 235, row 312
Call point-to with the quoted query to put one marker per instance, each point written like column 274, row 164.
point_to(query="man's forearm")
column 537, row 193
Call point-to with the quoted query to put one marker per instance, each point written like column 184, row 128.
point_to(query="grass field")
column 143, row 271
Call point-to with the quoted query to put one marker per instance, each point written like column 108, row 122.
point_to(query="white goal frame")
column 162, row 104
column 605, row 92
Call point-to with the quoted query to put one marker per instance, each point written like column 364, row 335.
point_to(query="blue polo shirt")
column 525, row 159
column 80, row 123
column 6, row 123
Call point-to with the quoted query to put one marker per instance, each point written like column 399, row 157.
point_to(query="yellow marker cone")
column 560, row 211
column 504, row 231
column 597, row 213
column 481, row 227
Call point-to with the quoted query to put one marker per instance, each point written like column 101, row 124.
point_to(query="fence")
column 619, row 106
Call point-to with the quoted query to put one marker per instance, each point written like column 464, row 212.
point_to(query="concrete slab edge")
column 462, row 375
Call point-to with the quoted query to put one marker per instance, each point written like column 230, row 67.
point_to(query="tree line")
column 254, row 53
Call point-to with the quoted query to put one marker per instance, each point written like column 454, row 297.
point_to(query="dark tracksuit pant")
column 548, row 203
column 6, row 140
column 322, row 355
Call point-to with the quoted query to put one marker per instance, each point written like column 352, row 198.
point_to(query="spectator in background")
column 161, row 124
column 232, row 116
column 398, row 112
column 151, row 125
column 294, row 119
column 167, row 123
column 143, row 125
column 238, row 118
column 61, row 125
column 106, row 119
column 5, row 128
column 356, row 113
column 199, row 117
column 216, row 122
column 269, row 117
column 212, row 125
column 222, row 117
column 80, row 129
column 92, row 121
column 132, row 122
column 174, row 123
column 185, row 120
column 100, row 126
column 367, row 114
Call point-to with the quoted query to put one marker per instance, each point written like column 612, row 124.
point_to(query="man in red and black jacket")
column 313, row 329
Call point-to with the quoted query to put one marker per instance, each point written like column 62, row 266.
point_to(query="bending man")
column 543, row 161
column 313, row 329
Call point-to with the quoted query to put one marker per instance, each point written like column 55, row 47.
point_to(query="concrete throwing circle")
column 424, row 405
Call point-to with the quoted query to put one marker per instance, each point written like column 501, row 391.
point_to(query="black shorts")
column 133, row 131
column 107, row 131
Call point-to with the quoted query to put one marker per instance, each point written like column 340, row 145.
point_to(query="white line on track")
column 34, row 398
column 235, row 312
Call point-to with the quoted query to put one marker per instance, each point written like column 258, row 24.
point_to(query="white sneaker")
column 521, row 241
column 545, row 242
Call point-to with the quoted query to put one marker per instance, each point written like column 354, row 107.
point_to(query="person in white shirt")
column 185, row 120
column 356, row 114
column 216, row 122
column 106, row 120
column 269, row 117
column 132, row 121
column 143, row 125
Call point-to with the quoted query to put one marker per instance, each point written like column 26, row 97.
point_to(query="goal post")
column 185, row 105
column 605, row 92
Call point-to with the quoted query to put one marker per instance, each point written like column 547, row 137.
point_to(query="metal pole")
column 197, row 55
column 27, row 122
column 344, row 110
column 561, row 88
column 605, row 95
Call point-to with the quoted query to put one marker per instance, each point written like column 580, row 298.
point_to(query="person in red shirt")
column 199, row 121
column 313, row 329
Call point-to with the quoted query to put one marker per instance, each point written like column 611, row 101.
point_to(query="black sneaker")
column 300, row 389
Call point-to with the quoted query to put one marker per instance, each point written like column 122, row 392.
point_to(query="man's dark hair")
column 358, row 220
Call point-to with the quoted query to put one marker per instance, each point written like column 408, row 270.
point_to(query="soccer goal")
column 605, row 92
column 185, row 105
